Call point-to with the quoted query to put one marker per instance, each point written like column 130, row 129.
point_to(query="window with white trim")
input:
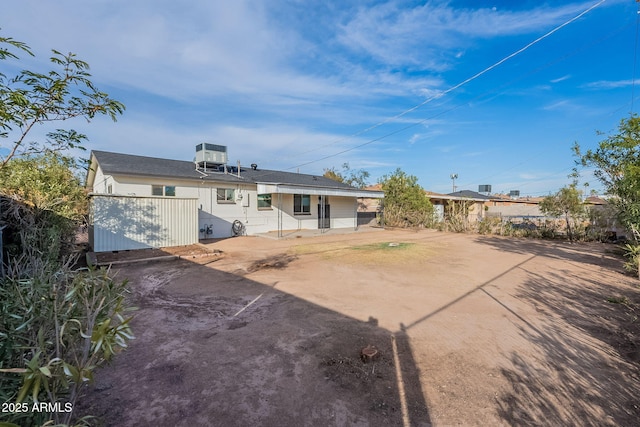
column 301, row 204
column 264, row 201
column 163, row 190
column 226, row 195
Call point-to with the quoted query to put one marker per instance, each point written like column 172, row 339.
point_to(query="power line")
column 440, row 94
column 477, row 182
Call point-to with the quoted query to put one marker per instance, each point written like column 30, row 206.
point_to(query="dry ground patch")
column 471, row 330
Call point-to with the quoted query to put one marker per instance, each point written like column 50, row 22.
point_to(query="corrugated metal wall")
column 125, row 222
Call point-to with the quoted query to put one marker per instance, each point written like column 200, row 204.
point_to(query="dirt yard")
column 470, row 330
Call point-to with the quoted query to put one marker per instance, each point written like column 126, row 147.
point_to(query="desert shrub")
column 490, row 225
column 566, row 203
column 57, row 323
column 549, row 229
column 32, row 231
column 405, row 202
column 56, row 326
column 456, row 217
column 396, row 216
column 632, row 252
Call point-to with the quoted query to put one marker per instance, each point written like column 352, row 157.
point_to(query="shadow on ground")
column 594, row 362
column 215, row 348
column 601, row 254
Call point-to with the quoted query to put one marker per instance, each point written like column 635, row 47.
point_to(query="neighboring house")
column 468, row 203
column 142, row 202
column 370, row 209
column 507, row 207
column 603, row 218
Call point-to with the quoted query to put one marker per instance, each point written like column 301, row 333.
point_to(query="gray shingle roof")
column 470, row 194
column 127, row 164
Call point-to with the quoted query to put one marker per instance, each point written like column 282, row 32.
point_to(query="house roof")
column 435, row 196
column 127, row 164
column 523, row 199
column 595, row 200
column 470, row 195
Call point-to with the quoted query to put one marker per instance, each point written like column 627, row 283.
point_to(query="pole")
column 279, row 214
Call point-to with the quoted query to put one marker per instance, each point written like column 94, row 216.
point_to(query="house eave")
column 279, row 188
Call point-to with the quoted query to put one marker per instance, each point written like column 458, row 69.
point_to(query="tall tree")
column 617, row 167
column 405, row 202
column 32, row 98
column 57, row 323
column 566, row 202
column 356, row 178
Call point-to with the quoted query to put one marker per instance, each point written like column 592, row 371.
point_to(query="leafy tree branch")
column 34, row 98
column 356, row 178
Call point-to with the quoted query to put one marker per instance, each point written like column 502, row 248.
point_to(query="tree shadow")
column 586, row 350
column 596, row 253
column 216, row 348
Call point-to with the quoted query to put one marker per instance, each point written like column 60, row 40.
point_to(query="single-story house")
column 140, row 202
column 370, row 209
column 466, row 202
column 507, row 207
column 470, row 204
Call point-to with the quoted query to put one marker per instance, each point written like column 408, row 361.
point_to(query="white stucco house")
column 141, row 202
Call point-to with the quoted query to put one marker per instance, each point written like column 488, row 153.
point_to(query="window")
column 109, row 189
column 302, row 204
column 264, row 201
column 163, row 190
column 226, row 195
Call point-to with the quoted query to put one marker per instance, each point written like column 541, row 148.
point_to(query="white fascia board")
column 129, row 196
column 317, row 191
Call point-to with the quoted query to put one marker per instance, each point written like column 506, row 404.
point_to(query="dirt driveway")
column 471, row 330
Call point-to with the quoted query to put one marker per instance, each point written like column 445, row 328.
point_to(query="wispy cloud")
column 284, row 82
column 557, row 105
column 608, row 84
column 561, row 79
column 428, row 36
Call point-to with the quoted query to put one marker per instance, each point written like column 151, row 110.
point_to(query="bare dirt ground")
column 471, row 330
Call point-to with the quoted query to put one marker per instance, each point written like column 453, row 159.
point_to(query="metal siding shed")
column 133, row 222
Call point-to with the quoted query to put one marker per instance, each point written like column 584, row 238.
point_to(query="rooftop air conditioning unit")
column 211, row 154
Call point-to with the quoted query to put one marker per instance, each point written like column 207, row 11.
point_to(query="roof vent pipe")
column 254, row 166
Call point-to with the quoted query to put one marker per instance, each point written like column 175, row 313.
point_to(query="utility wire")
column 440, row 94
column 564, row 57
column 535, row 71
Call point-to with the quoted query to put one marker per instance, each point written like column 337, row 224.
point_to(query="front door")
column 324, row 212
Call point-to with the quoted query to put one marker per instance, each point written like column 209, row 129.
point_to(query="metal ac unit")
column 211, row 154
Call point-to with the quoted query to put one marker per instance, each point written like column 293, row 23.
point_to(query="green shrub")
column 56, row 326
column 632, row 251
column 57, row 323
column 490, row 225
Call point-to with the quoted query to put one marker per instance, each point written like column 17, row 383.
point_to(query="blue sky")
column 308, row 85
